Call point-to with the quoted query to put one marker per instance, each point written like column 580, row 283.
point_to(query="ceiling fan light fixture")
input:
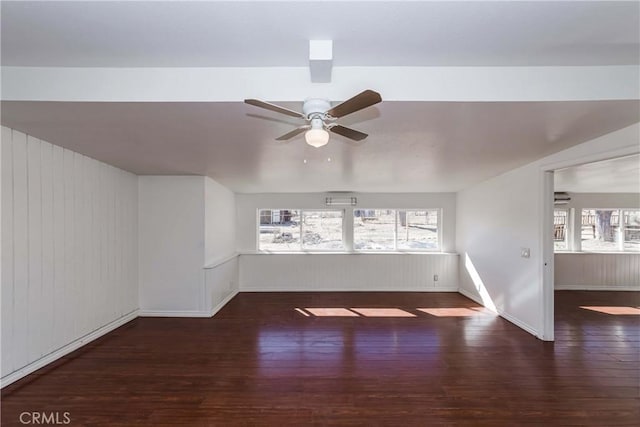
column 317, row 137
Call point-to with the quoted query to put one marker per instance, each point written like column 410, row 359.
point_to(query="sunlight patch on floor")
column 625, row 311
column 454, row 311
column 383, row 312
column 331, row 312
column 392, row 312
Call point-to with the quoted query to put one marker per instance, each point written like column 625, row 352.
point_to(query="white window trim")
column 568, row 232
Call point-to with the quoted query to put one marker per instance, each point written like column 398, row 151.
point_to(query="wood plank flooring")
column 353, row 359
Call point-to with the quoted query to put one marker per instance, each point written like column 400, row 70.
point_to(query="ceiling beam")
column 320, row 60
column 292, row 84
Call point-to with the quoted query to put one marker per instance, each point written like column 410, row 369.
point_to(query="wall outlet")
column 435, row 277
column 525, row 252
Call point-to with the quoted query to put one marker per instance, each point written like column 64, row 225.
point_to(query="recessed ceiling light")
column 304, row 161
column 328, row 159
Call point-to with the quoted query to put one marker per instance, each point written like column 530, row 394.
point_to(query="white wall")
column 220, row 222
column 248, row 204
column 498, row 217
column 221, row 257
column 597, row 271
column 171, row 243
column 181, row 228
column 349, row 272
column 69, row 251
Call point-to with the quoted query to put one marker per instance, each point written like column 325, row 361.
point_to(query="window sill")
column 347, row 253
column 596, row 252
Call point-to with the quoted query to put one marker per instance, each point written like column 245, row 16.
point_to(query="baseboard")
column 596, row 288
column 519, row 323
column 500, row 312
column 173, row 313
column 224, row 302
column 306, row 289
column 63, row 351
column 473, row 297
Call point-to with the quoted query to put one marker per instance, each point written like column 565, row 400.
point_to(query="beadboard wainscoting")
column 221, row 283
column 597, row 271
column 349, row 272
column 69, row 251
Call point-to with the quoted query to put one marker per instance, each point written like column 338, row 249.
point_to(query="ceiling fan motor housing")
column 315, row 106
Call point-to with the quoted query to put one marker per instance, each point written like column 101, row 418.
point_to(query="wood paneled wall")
column 69, row 248
column 348, row 272
column 597, row 271
column 221, row 283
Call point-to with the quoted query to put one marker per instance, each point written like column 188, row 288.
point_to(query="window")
column 374, row 229
column 631, row 230
column 418, row 229
column 605, row 230
column 560, row 229
column 322, row 230
column 295, row 230
column 389, row 229
column 279, row 230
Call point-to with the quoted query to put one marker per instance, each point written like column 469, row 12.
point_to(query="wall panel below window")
column 349, row 272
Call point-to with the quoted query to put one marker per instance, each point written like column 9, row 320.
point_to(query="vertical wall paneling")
column 597, row 271
column 34, row 232
column 79, row 320
column 69, row 251
column 59, row 325
column 221, row 284
column 93, row 235
column 348, row 272
column 7, row 251
column 20, row 251
column 46, row 157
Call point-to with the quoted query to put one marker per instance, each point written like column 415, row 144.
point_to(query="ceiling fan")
column 321, row 117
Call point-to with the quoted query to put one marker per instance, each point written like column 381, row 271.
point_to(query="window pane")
column 322, row 230
column 418, row 229
column 560, row 229
column 374, row 229
column 631, row 230
column 600, row 230
column 279, row 230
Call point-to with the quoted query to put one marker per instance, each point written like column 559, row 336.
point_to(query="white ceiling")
column 267, row 33
column 415, row 143
column 413, row 146
column 621, row 175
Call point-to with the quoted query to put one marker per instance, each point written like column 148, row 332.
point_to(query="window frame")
column 300, row 249
column 568, row 230
column 397, row 211
column 623, row 228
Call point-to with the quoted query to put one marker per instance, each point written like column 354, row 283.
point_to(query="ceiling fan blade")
column 293, row 133
column 348, row 132
column 273, row 107
column 362, row 100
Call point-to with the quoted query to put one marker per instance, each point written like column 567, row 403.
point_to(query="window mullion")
column 621, row 230
column 395, row 231
column 300, row 228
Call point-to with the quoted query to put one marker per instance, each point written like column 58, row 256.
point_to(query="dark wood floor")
column 262, row 362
